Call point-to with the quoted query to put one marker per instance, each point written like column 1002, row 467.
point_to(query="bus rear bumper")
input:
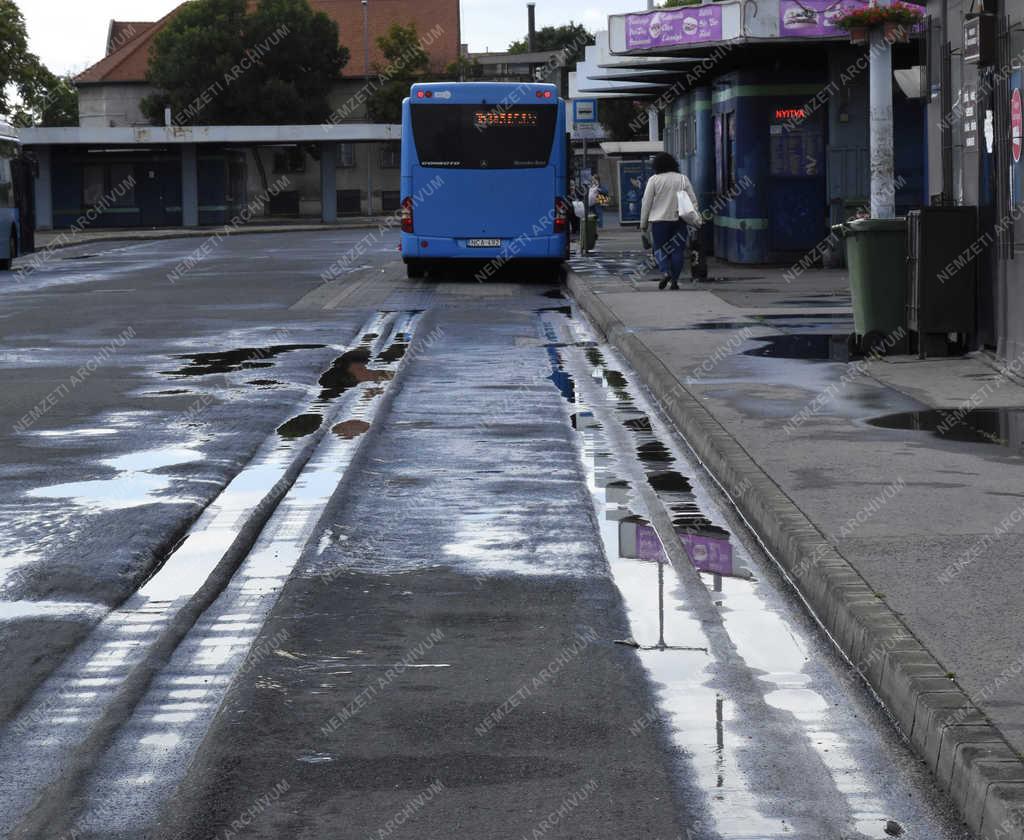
column 437, row 248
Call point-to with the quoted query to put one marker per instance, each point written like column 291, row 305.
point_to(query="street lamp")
column 366, row 81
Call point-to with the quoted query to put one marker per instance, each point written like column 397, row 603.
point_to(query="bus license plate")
column 484, row 243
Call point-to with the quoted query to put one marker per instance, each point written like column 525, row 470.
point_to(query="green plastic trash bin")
column 876, row 256
column 588, row 233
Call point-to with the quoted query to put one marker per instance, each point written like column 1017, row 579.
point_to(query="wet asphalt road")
column 375, row 558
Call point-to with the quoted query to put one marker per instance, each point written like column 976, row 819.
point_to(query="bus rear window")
column 484, row 136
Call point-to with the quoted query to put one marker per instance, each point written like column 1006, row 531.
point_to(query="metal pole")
column 652, row 123
column 883, row 198
column 366, row 79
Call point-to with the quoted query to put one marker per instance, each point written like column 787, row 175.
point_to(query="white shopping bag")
column 687, row 212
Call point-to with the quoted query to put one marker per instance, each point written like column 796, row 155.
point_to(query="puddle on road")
column 300, row 426
column 347, row 371
column 230, row 361
column 833, row 348
column 349, row 429
column 720, row 325
column 1000, row 426
column 159, row 738
column 350, row 370
column 134, row 485
column 757, row 691
column 15, row 610
column 75, row 433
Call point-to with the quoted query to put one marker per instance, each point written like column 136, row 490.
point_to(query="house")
column 116, row 143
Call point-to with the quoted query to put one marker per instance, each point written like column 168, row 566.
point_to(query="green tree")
column 46, row 99
column 29, row 93
column 405, row 62
column 463, row 69
column 215, row 63
column 571, row 37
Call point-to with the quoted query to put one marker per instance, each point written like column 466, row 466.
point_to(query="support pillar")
column 328, row 183
column 652, row 123
column 883, row 197
column 44, row 188
column 189, row 185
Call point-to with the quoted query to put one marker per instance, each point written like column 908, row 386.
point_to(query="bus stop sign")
column 584, row 110
column 1016, row 124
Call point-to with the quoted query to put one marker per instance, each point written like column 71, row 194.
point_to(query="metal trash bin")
column 942, row 286
column 876, row 256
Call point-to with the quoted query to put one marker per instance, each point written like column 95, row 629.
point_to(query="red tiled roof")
column 123, row 31
column 128, row 62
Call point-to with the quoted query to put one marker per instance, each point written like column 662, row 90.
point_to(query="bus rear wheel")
column 414, row 269
column 5, row 264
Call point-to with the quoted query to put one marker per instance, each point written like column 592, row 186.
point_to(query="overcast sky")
column 70, row 35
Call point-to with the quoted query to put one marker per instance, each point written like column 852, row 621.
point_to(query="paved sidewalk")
column 905, row 534
column 65, row 238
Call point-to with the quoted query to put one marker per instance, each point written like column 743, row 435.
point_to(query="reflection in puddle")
column 14, row 610
column 158, row 740
column 347, row 371
column 134, row 484
column 229, row 361
column 756, row 693
column 300, row 426
column 77, row 432
column 832, row 348
column 349, row 429
column 1001, row 426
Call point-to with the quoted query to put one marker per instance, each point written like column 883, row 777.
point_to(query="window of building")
column 288, row 161
column 349, row 202
column 389, row 201
column 93, row 184
column 391, row 156
column 346, row 155
column 729, row 156
column 121, row 190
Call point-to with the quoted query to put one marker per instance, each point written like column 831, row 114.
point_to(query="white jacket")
column 660, row 203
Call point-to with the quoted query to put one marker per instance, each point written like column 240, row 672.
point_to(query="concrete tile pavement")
column 907, row 544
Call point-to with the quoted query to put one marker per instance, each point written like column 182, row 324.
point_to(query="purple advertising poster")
column 816, row 18
column 671, row 27
column 708, row 554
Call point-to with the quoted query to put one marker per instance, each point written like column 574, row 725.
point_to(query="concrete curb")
column 197, row 233
column 969, row 756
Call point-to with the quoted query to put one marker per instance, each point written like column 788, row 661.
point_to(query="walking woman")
column 660, row 210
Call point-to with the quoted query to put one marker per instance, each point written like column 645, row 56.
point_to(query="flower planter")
column 858, row 34
column 896, row 20
column 896, row 33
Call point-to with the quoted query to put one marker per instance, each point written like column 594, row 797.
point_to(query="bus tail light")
column 561, row 215
column 407, row 215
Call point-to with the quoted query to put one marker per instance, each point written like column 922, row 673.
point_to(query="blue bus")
column 16, row 196
column 484, row 177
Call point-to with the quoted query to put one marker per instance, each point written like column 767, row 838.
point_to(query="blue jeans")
column 599, row 212
column 669, row 241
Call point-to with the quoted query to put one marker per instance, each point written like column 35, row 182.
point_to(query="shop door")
column 797, row 201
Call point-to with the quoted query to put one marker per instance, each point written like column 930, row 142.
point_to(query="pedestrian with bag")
column 669, row 205
column 597, row 198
